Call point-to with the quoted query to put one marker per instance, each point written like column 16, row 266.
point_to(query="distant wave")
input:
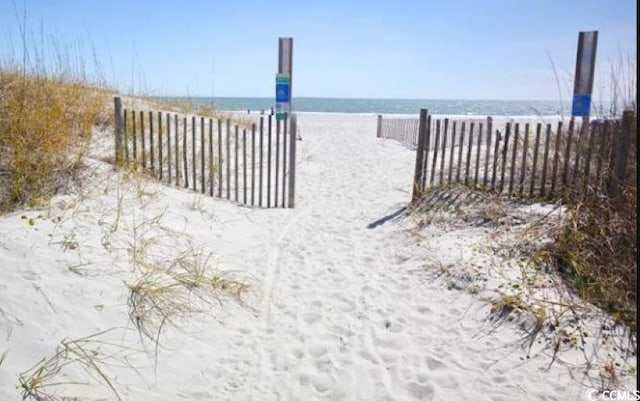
column 393, row 106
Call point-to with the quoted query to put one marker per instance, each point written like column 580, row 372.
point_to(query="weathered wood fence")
column 524, row 159
column 252, row 163
column 405, row 129
column 402, row 129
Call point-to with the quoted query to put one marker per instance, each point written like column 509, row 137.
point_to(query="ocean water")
column 393, row 106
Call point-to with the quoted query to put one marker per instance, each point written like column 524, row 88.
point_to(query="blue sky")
column 456, row 49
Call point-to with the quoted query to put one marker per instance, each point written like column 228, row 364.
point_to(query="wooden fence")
column 402, row 129
column 252, row 163
column 525, row 159
column 405, row 129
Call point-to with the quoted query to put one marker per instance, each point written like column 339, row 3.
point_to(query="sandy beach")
column 347, row 298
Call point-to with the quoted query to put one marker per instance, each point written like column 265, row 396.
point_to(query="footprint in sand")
column 304, row 380
column 317, row 350
column 434, row 363
column 420, row 391
column 297, row 352
column 389, row 358
column 322, row 382
column 310, row 318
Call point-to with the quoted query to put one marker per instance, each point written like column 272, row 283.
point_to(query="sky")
column 445, row 49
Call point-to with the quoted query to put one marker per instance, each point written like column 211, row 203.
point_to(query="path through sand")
column 341, row 307
column 344, row 315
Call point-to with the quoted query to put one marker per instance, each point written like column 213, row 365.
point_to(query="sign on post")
column 283, row 96
column 585, row 68
column 283, row 78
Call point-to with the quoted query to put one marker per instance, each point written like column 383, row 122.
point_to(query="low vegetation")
column 597, row 249
column 76, row 363
column 166, row 292
column 45, row 127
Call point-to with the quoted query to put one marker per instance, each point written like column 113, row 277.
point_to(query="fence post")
column 118, row 129
column 379, row 128
column 293, row 139
column 621, row 155
column 419, row 171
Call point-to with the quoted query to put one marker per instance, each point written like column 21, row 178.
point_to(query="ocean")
column 393, row 106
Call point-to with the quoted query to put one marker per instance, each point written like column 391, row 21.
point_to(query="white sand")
column 336, row 310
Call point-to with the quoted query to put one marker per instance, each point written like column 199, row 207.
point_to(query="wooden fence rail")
column 217, row 157
column 524, row 159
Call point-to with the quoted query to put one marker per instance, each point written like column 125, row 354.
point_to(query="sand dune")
column 342, row 301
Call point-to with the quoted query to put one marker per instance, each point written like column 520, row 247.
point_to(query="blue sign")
column 581, row 106
column 283, row 94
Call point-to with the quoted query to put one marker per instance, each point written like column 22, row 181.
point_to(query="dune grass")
column 597, row 252
column 167, row 291
column 59, row 373
column 45, row 127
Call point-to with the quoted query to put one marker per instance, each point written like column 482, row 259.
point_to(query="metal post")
column 284, row 78
column 585, row 68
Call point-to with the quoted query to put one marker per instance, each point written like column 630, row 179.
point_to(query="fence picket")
column 177, row 147
column 469, row 150
column 125, row 135
column 579, row 148
column 545, row 160
column 444, row 149
column 151, row 150
column 244, row 165
column 485, row 179
column 277, row 166
column 453, row 141
column 496, row 155
column 220, row 158
column 419, row 171
column 142, row 135
column 523, row 168
column 184, row 153
column 261, row 161
column 436, row 147
column 211, row 159
column 556, row 157
column 516, row 132
column 505, row 155
column 462, row 134
column 253, row 164
column 567, row 157
column 534, row 168
column 236, row 162
column 134, row 140
column 160, row 145
column 620, row 155
column 587, row 163
column 228, row 143
column 478, row 152
column 427, row 146
column 284, row 162
column 202, row 156
column 194, row 165
column 168, row 118
column 269, row 129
